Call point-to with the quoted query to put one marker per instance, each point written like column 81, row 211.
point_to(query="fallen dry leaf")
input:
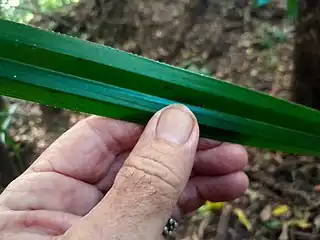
column 266, row 213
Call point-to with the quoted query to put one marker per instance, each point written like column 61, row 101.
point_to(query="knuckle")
column 151, row 168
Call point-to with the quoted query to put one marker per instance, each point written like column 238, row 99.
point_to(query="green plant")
column 5, row 124
column 66, row 72
column 24, row 10
column 6, row 117
column 5, row 121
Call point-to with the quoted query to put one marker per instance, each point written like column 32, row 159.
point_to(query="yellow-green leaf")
column 211, row 206
column 301, row 223
column 280, row 210
column 243, row 219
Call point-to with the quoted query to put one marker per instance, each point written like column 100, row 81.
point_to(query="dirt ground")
column 228, row 40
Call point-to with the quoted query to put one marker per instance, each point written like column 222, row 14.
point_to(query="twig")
column 292, row 235
column 293, row 163
column 305, row 235
column 203, row 225
column 313, row 206
column 247, row 16
column 222, row 229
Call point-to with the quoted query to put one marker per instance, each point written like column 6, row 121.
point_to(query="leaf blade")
column 121, row 101
column 132, row 88
column 97, row 62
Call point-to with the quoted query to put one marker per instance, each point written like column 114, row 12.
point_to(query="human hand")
column 107, row 179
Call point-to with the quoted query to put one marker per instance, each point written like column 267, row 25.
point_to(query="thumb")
column 151, row 180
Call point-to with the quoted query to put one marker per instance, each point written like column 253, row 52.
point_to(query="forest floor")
column 227, row 40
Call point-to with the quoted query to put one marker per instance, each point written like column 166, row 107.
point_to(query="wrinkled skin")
column 98, row 181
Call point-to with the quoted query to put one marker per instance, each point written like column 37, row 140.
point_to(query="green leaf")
column 66, row 72
column 274, row 224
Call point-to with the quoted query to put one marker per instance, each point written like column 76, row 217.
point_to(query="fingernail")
column 175, row 125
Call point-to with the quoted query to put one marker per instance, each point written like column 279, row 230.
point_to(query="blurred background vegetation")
column 24, row 11
column 259, row 48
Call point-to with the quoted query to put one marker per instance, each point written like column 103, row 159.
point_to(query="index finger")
column 87, row 150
